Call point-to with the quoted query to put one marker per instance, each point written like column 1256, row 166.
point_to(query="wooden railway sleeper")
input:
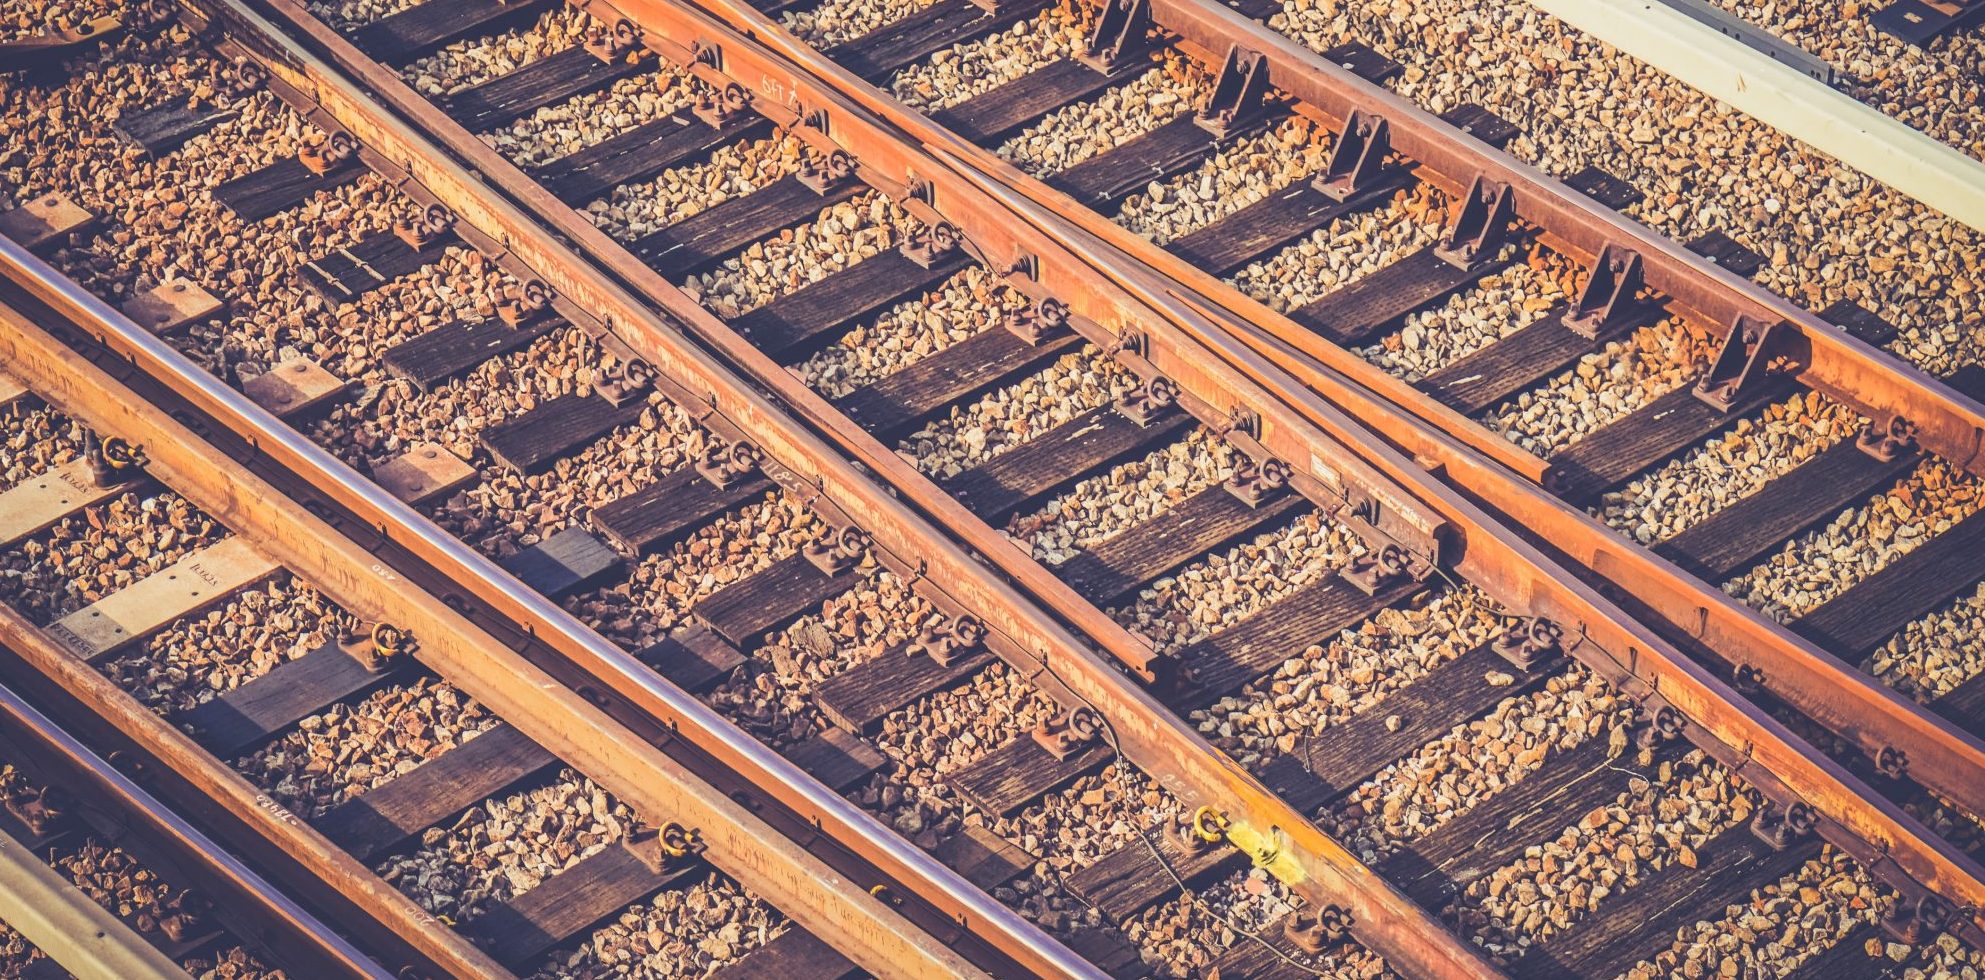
column 1240, row 94
column 1358, row 161
column 1610, row 295
column 1122, row 31
column 1745, row 360
column 1481, row 226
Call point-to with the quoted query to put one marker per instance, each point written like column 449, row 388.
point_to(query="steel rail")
column 1866, row 819
column 75, row 932
column 1875, row 382
column 1871, row 715
column 1281, row 838
column 268, row 914
column 565, row 721
column 1785, row 768
column 254, row 823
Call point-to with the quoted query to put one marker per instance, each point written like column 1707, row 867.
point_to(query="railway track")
column 570, row 435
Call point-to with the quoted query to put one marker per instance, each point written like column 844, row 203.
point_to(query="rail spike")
column 1780, row 827
column 1888, row 440
column 929, row 244
column 948, row 643
column 1035, row 323
column 1068, row 733
column 1144, row 405
column 1254, row 483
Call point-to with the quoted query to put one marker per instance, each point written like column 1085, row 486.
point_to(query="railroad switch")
column 716, row 107
column 930, row 243
column 38, row 809
column 1912, row 922
column 1068, row 733
column 328, row 154
column 1256, row 483
column 950, row 642
column 1481, row 227
column 522, row 304
column 1888, row 440
column 1609, row 296
column 1742, row 362
column 1122, row 31
column 726, row 463
column 823, row 172
column 1533, row 641
column 1358, row 160
column 1036, row 323
column 1780, row 827
column 1145, row 405
column 1240, row 94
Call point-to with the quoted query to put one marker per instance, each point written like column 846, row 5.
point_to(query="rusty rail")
column 1869, row 825
column 255, row 908
column 553, row 714
column 1035, row 643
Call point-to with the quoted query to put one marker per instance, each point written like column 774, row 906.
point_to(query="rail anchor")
column 1480, row 227
column 950, row 642
column 1144, row 405
column 726, row 463
column 1255, row 483
column 328, row 154
column 1069, row 733
column 1033, row 324
column 1912, row 922
column 1122, row 31
column 1530, row 642
column 1888, row 440
column 837, row 553
column 926, row 245
column 1239, row 96
column 1358, row 160
column 1742, row 362
column 1609, row 295
column 1780, row 827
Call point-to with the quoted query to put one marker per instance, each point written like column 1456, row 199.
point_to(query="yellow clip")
column 676, row 840
column 1210, row 824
